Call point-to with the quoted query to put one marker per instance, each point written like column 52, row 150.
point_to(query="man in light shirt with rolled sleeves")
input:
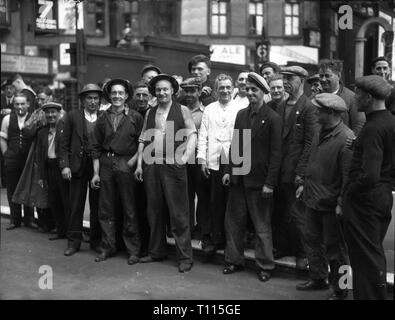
column 214, row 140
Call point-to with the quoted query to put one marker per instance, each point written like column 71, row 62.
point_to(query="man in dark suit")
column 367, row 200
column 252, row 184
column 5, row 108
column 299, row 126
column 47, row 157
column 77, row 166
column 7, row 97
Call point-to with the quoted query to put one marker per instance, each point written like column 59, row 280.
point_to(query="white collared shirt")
column 216, row 132
column 91, row 117
column 242, row 101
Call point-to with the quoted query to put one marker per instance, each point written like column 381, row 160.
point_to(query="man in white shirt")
column 240, row 93
column 15, row 141
column 214, row 140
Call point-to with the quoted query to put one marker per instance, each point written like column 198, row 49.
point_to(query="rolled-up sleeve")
column 4, row 127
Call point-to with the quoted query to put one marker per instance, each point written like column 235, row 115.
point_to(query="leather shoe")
column 148, row 259
column 70, row 251
column 13, row 226
column 313, row 285
column 57, row 237
column 133, row 260
column 263, row 275
column 184, row 267
column 103, row 256
column 231, row 268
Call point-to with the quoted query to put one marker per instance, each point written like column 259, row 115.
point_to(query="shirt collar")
column 112, row 110
column 91, row 117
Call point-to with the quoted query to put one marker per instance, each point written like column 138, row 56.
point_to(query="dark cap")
column 90, row 87
column 125, row 83
column 276, row 68
column 375, row 85
column 149, row 67
column 191, row 82
column 259, row 81
column 198, row 58
column 312, row 78
column 295, row 70
column 330, row 101
column 159, row 77
column 50, row 105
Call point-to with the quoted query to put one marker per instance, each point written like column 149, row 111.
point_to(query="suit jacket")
column 72, row 154
column 42, row 148
column 297, row 133
column 352, row 118
column 265, row 146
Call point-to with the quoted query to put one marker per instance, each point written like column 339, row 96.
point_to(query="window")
column 95, row 17
column 131, row 15
column 256, row 18
column 291, row 19
column 167, row 17
column 219, row 17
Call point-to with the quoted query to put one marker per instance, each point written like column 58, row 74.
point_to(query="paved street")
column 23, row 251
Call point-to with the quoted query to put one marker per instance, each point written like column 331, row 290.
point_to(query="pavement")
column 26, row 250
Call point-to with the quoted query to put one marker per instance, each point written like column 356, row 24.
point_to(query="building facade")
column 35, row 34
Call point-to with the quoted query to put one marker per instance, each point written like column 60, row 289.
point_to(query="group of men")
column 214, row 158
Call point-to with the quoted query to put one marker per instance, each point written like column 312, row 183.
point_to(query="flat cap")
column 50, row 105
column 330, row 101
column 149, row 67
column 276, row 68
column 125, row 83
column 313, row 77
column 198, row 58
column 259, row 81
column 295, row 70
column 90, row 87
column 159, row 77
column 191, row 82
column 375, row 85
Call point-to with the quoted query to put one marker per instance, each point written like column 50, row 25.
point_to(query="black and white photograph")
column 193, row 156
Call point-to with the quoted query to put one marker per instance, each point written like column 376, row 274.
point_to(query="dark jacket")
column 73, row 152
column 265, row 146
column 297, row 134
column 373, row 162
column 42, row 148
column 352, row 118
column 327, row 168
column 122, row 142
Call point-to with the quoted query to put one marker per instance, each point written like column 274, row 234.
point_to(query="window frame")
column 292, row 16
column 250, row 17
column 88, row 12
column 128, row 16
column 227, row 15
